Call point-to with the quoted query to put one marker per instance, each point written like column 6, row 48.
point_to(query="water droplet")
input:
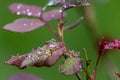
column 81, row 17
column 29, row 13
column 51, row 3
column 65, row 6
column 38, row 13
column 52, row 45
column 80, row 68
column 38, row 52
column 28, row 10
column 32, row 59
column 18, row 13
column 60, row 10
column 24, row 24
column 87, row 4
column 29, row 56
column 19, row 6
column 106, row 47
column 52, row 40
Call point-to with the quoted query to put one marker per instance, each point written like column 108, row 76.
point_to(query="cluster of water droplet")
column 27, row 10
column 72, row 54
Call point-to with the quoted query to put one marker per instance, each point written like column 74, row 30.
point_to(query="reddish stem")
column 96, row 66
column 60, row 26
column 86, row 71
column 53, row 31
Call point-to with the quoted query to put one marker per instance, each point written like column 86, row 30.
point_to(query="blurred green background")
column 107, row 22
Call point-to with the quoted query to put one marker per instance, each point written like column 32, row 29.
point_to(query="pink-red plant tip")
column 16, row 60
column 23, row 9
column 23, row 76
column 47, row 55
column 102, row 43
column 108, row 45
column 24, row 25
column 51, row 15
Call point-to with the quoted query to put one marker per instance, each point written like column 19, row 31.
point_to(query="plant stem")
column 61, row 23
column 53, row 31
column 78, row 76
column 90, row 78
column 60, row 27
column 96, row 66
column 74, row 24
column 87, row 62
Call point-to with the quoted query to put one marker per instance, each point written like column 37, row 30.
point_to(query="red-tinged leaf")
column 16, row 60
column 47, row 55
column 24, row 25
column 71, row 66
column 108, row 45
column 51, row 15
column 23, row 76
column 23, row 9
column 118, row 74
